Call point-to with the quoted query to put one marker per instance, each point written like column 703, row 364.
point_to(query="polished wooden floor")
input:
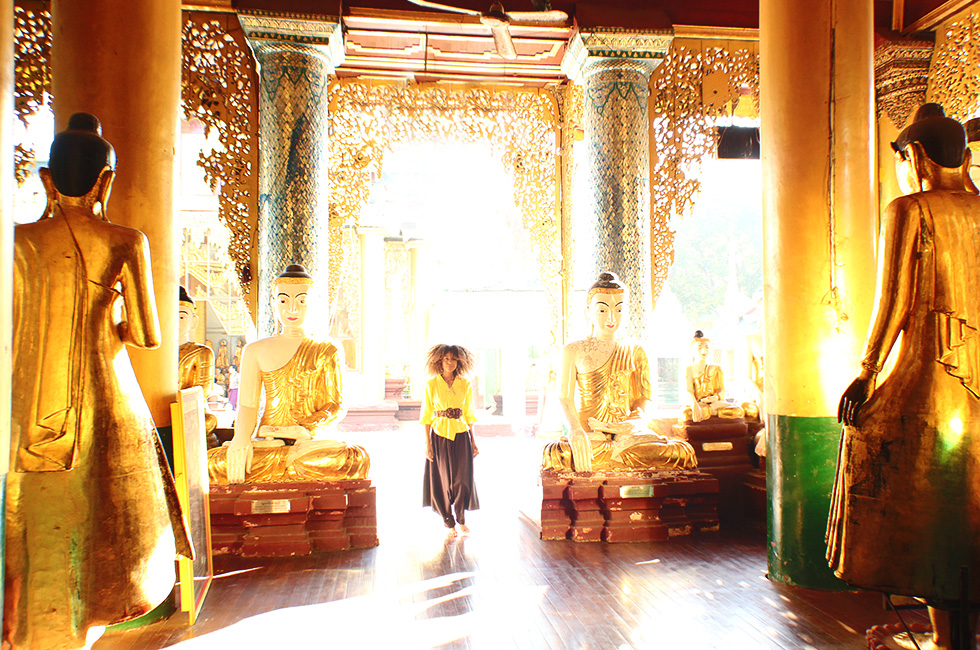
column 502, row 587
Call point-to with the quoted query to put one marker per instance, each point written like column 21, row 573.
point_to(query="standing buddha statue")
column 905, row 508
column 92, row 518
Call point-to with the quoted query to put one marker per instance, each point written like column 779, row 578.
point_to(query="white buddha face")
column 606, row 312
column 702, row 349
column 289, row 303
column 187, row 319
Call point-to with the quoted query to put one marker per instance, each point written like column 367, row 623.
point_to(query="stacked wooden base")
column 627, row 506
column 280, row 519
column 722, row 448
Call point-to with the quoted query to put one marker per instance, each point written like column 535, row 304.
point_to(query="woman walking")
column 449, row 445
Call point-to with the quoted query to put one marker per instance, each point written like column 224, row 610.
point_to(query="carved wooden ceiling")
column 395, row 38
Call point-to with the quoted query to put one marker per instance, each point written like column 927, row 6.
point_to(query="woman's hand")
column 473, row 440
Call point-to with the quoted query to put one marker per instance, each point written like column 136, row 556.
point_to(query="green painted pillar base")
column 801, row 464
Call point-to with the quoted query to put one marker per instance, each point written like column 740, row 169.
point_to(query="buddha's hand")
column 854, row 397
column 581, row 451
column 294, row 432
column 239, row 459
column 709, row 399
column 612, row 427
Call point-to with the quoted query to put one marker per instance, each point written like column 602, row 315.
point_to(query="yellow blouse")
column 439, row 396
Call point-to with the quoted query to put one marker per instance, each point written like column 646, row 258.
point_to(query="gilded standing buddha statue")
column 905, row 507
column 93, row 523
column 303, row 402
column 605, row 386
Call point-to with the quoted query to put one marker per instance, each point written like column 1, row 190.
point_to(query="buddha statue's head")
column 932, row 146
column 187, row 315
column 700, row 346
column 81, row 162
column 290, row 291
column 606, row 305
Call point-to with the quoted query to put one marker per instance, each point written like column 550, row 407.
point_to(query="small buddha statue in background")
column 705, row 385
column 303, row 388
column 605, row 386
column 195, row 365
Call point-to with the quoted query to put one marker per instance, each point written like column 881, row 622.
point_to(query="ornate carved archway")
column 520, row 126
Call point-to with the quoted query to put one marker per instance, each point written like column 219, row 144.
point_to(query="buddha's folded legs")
column 317, row 460
column 312, row 460
column 662, row 454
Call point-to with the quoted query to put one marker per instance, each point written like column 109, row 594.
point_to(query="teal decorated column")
column 296, row 57
column 615, row 67
column 819, row 212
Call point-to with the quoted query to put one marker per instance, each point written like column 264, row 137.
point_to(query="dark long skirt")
column 448, row 486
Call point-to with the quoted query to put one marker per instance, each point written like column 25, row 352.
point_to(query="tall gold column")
column 818, row 230
column 120, row 60
column 615, row 68
column 296, row 56
column 6, row 228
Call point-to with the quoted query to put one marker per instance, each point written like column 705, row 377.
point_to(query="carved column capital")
column 596, row 49
column 901, row 77
column 295, row 33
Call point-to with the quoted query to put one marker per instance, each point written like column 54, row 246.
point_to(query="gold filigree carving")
column 955, row 72
column 570, row 99
column 696, row 84
column 218, row 88
column 901, row 77
column 32, row 72
column 519, row 125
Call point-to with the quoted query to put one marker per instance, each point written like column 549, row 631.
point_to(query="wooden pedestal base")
column 627, row 506
column 280, row 519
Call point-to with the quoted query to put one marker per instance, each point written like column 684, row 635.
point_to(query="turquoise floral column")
column 296, row 56
column 615, row 67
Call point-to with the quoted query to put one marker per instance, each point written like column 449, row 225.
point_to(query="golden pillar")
column 121, row 61
column 818, row 229
column 296, row 56
column 6, row 226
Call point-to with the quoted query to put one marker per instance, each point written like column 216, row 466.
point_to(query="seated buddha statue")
column 706, row 386
column 195, row 365
column 301, row 378
column 605, row 385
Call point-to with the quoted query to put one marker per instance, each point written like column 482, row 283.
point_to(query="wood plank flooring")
column 502, row 587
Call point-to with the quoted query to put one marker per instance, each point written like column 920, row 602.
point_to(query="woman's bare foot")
column 451, row 534
column 464, row 529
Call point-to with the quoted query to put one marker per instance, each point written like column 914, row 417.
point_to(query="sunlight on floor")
column 394, row 618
